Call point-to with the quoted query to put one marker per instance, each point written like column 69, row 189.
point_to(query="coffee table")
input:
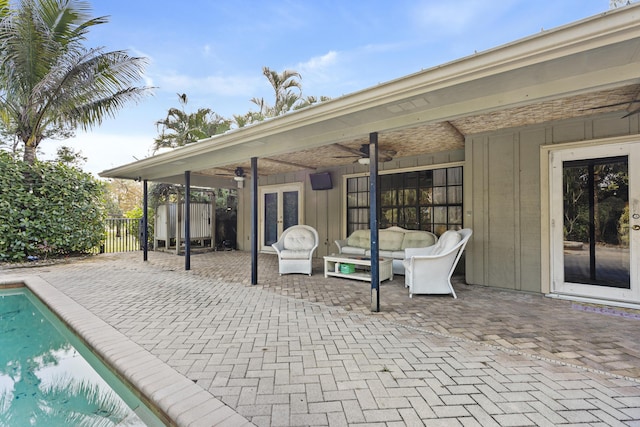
column 330, row 261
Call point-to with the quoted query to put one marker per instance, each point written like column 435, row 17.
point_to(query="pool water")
column 49, row 378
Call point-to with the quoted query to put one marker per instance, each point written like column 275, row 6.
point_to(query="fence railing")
column 122, row 235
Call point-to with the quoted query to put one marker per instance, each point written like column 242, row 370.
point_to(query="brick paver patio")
column 299, row 350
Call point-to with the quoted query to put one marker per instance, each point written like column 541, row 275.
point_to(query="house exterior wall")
column 319, row 208
column 325, row 209
column 504, row 197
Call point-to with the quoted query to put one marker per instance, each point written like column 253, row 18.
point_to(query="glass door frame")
column 280, row 189
column 557, row 157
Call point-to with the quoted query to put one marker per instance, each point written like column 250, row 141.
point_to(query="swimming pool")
column 48, row 377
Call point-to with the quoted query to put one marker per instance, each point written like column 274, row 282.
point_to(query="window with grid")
column 428, row 200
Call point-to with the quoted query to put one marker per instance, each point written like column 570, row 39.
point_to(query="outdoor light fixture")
column 239, row 178
column 364, row 160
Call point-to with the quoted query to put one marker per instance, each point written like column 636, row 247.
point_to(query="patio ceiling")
column 446, row 135
column 590, row 67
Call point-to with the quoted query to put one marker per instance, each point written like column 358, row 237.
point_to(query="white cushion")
column 447, row 241
column 418, row 239
column 299, row 239
column 291, row 254
column 398, row 254
column 360, row 239
column 352, row 250
column 390, row 240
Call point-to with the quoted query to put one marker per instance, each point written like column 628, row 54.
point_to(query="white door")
column 280, row 208
column 595, row 222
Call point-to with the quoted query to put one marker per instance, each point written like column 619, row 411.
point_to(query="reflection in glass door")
column 596, row 222
column 270, row 213
column 280, row 210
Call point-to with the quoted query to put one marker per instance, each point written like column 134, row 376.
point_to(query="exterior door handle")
column 636, row 227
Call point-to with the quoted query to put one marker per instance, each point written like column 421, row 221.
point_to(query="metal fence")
column 122, row 235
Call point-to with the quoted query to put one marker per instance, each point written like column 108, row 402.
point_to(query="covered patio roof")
column 584, row 68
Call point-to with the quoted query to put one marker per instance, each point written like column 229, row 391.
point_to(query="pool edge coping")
column 178, row 400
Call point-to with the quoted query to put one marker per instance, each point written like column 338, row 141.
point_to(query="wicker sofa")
column 392, row 242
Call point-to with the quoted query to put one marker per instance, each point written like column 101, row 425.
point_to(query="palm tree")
column 247, row 118
column 50, row 84
column 309, row 100
column 618, row 3
column 180, row 128
column 287, row 88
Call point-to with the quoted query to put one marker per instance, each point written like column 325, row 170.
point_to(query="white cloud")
column 320, row 62
column 103, row 151
column 319, row 69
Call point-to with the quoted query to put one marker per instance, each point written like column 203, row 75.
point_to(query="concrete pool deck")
column 300, row 350
column 174, row 398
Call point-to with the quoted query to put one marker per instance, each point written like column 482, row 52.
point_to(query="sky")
column 214, row 50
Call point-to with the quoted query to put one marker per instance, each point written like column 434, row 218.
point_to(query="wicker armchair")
column 429, row 270
column 295, row 249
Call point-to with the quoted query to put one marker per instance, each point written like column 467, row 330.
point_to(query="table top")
column 351, row 257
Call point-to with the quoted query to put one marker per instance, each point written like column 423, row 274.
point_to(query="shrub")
column 48, row 209
column 134, row 229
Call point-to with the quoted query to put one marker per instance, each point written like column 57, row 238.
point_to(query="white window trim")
column 547, row 153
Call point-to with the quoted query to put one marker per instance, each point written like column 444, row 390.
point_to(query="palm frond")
column 49, row 81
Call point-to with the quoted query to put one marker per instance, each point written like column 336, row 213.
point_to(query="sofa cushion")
column 352, row 250
column 397, row 255
column 382, row 254
column 299, row 239
column 390, row 240
column 418, row 239
column 360, row 239
column 385, row 254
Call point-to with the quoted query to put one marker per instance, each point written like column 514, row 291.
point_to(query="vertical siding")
column 244, row 217
column 320, row 208
column 529, row 200
column 501, row 184
column 504, row 197
column 474, row 202
column 324, row 209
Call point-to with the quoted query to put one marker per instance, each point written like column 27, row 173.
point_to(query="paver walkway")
column 299, row 350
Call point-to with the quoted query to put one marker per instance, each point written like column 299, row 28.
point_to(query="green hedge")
column 49, row 209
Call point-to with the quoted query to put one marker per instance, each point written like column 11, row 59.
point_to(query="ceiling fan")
column 629, row 113
column 237, row 173
column 384, row 155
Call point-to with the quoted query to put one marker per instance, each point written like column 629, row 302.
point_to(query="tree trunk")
column 29, row 154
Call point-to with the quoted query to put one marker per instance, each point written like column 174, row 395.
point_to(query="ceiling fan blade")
column 616, row 104
column 631, row 113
